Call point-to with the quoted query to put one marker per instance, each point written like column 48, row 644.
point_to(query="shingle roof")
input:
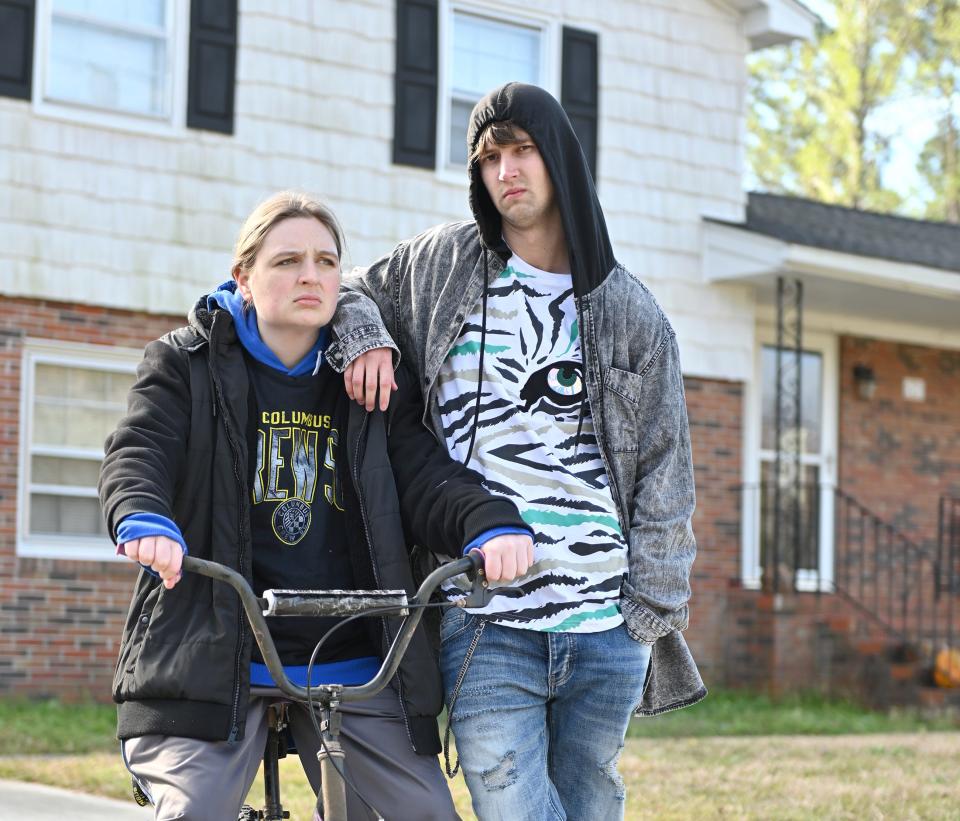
column 806, row 222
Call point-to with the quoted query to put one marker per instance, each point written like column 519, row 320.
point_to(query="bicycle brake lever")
column 481, row 593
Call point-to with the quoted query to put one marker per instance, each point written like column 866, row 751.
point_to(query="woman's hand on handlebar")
column 507, row 557
column 160, row 554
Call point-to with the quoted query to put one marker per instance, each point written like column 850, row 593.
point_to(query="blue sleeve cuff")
column 487, row 535
column 142, row 525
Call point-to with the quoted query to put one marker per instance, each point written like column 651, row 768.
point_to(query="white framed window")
column 71, row 397
column 112, row 62
column 818, row 461
column 483, row 48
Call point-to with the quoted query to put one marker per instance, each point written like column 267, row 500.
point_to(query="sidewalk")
column 19, row 801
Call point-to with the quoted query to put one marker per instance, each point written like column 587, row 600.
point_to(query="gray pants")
column 195, row 780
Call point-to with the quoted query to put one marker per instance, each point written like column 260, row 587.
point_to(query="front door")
column 802, row 536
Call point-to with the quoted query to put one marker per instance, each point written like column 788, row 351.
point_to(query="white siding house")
column 134, row 139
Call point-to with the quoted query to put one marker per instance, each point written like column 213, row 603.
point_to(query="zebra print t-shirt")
column 525, row 448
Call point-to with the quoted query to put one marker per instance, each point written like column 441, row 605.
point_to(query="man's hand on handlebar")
column 507, row 557
column 160, row 554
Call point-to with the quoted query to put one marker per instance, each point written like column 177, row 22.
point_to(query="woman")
column 240, row 445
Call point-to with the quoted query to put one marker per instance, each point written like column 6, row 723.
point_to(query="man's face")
column 517, row 181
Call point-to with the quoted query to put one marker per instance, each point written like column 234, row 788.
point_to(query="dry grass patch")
column 789, row 778
column 914, row 776
column 94, row 773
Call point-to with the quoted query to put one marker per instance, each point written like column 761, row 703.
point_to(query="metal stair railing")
column 889, row 577
column 908, row 591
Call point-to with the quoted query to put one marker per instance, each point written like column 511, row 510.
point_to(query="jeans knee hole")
column 501, row 776
column 609, row 769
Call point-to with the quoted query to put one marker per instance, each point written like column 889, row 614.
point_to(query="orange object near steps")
column 946, row 668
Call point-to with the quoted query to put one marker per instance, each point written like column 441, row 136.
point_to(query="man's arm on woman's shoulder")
column 363, row 329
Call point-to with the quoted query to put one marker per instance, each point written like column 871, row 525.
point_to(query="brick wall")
column 59, row 620
column 715, row 410
column 899, row 456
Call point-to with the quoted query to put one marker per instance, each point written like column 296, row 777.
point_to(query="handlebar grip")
column 332, row 602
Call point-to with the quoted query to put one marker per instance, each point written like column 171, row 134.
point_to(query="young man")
column 550, row 369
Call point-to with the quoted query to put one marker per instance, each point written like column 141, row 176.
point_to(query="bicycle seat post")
column 331, row 756
column 271, row 769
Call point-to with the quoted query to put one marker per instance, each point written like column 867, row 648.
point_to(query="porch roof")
column 853, row 262
column 806, row 222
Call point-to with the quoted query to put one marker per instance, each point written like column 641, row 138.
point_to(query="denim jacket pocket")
column 621, row 403
column 624, row 384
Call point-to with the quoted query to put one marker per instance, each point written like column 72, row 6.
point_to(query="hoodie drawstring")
column 583, row 385
column 483, row 341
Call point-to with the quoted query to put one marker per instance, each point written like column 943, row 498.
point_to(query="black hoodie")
column 542, row 117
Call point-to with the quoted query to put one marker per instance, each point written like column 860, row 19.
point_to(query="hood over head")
column 542, row 117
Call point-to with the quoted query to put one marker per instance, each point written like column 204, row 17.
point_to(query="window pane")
column 795, row 548
column 77, row 407
column 50, row 381
column 75, row 427
column 134, row 12
column 51, row 470
column 811, row 375
column 65, row 516
column 459, row 120
column 117, row 387
column 74, row 409
column 486, row 54
column 106, row 68
column 76, row 384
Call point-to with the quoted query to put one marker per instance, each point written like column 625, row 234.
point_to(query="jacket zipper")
column 355, row 470
column 241, row 625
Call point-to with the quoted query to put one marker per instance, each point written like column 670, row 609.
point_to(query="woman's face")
column 295, row 278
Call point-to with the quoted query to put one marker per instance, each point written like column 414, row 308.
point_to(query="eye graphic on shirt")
column 559, row 383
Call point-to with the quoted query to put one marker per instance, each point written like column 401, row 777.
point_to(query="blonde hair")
column 282, row 205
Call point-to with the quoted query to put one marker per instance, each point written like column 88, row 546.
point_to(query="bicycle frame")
column 332, row 799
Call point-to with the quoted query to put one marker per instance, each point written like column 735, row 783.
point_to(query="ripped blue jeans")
column 540, row 718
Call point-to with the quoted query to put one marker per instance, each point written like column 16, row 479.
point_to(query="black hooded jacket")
column 543, row 118
column 181, row 452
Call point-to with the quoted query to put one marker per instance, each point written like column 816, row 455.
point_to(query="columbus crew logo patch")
column 291, row 521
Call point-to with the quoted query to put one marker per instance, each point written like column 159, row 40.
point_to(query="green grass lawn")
column 733, row 713
column 36, row 727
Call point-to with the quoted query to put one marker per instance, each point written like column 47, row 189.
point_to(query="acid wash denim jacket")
column 424, row 290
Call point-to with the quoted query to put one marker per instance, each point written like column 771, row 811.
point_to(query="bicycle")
column 326, row 699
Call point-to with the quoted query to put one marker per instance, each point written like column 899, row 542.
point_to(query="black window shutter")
column 16, row 47
column 415, row 84
column 579, row 88
column 213, row 61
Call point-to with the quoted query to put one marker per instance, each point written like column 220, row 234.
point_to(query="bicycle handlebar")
column 351, row 602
